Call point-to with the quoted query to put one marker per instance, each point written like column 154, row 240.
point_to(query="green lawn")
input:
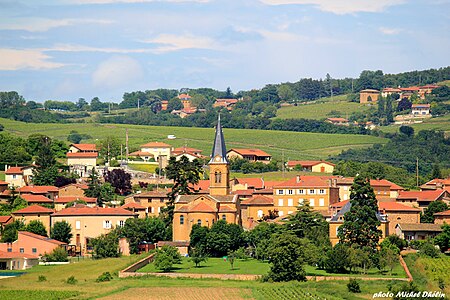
column 2, row 175
column 216, row 266
column 320, row 110
column 143, row 168
column 397, row 272
column 294, row 145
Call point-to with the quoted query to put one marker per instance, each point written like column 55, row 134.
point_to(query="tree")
column 174, row 104
column 443, row 239
column 36, row 227
column 148, row 230
column 287, row 257
column 388, row 258
column 231, row 257
column 228, row 93
column 185, row 174
column 46, row 171
column 75, row 137
column 433, row 207
column 106, row 245
column 61, row 231
column 197, row 256
column 109, row 148
column 166, row 257
column 199, row 238
column 436, row 172
column 360, row 225
column 407, row 130
column 58, row 254
column 389, row 110
column 285, row 92
column 404, row 104
column 9, row 232
column 337, row 258
column 120, row 180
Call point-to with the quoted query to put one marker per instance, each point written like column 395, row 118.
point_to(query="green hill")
column 294, row 145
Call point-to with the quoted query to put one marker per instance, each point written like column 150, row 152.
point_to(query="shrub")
column 42, row 278
column 71, row 280
column 428, row 249
column 441, row 283
column 353, row 286
column 415, row 244
column 57, row 255
column 106, row 276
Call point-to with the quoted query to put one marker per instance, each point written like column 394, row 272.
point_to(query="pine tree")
column 360, row 222
column 46, row 170
column 436, row 173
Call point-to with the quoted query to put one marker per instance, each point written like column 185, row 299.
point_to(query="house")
column 206, row 209
column 436, row 184
column 319, row 166
column 157, row 150
column 136, row 208
column 185, row 100
column 34, row 212
column 419, row 232
column 90, row 222
column 18, row 176
column 152, row 202
column 420, row 110
column 255, row 208
column 73, row 189
column 82, row 158
column 17, row 261
column 62, row 201
column 369, row 96
column 422, row 199
column 318, row 191
column 389, row 91
column 164, row 104
column 397, row 213
column 190, row 153
column 442, row 217
column 426, row 89
column 338, row 121
column 247, row 184
column 31, row 244
column 338, row 219
column 3, row 186
column 385, row 190
column 252, row 155
column 48, row 191
column 227, row 103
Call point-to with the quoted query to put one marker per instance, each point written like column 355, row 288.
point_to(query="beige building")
column 19, row 176
column 82, row 158
column 34, row 212
column 369, row 96
column 159, row 151
column 421, row 199
column 252, row 155
column 255, row 209
column 318, row 166
column 442, row 217
column 397, row 213
column 419, row 232
column 88, row 222
column 152, row 202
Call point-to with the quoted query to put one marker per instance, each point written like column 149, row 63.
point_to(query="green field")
column 321, row 108
column 86, row 271
column 143, row 168
column 435, row 123
column 294, row 145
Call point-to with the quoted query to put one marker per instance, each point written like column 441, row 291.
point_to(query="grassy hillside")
column 294, row 145
column 439, row 123
column 321, row 108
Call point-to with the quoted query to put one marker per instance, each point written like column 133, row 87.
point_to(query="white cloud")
column 131, row 1
column 41, row 25
column 171, row 42
column 389, row 31
column 341, row 7
column 117, row 71
column 82, row 48
column 12, row 59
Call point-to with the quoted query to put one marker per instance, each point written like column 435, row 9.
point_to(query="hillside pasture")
column 435, row 123
column 291, row 145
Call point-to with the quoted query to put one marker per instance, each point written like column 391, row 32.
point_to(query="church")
column 206, row 209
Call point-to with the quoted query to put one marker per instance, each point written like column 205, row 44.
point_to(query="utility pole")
column 126, row 145
column 417, row 171
column 283, row 168
column 138, row 104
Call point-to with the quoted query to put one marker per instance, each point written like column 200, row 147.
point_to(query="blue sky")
column 67, row 49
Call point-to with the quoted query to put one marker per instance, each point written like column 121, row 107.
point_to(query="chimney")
column 298, row 178
column 334, row 182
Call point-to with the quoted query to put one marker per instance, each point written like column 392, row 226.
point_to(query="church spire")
column 219, row 151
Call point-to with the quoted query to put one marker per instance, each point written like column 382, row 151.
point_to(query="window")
column 199, row 222
column 280, row 202
column 312, row 192
column 77, row 224
column 301, row 192
column 14, row 176
column 322, row 192
column 107, row 224
column 152, row 210
column 224, row 217
column 280, row 192
column 345, row 197
column 181, row 220
column 34, row 250
column 120, row 223
column 290, row 202
column 311, row 202
column 218, row 177
column 9, row 249
column 22, row 250
column 290, row 192
column 321, row 202
column 345, row 188
column 260, row 213
column 159, row 210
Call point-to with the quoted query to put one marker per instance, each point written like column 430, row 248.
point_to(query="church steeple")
column 219, row 177
column 219, row 148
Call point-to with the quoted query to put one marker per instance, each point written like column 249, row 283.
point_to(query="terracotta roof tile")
column 3, row 182
column 156, row 145
column 79, row 185
column 82, row 210
column 14, row 170
column 85, row 147
column 17, row 255
column 249, row 152
column 5, row 219
column 33, row 209
column 257, row 183
column 133, row 205
column 429, row 195
column 202, row 207
column 40, row 237
column 30, row 198
column 226, row 208
column 421, row 227
column 306, row 181
column 443, row 213
column 258, row 200
column 82, row 155
column 394, row 206
column 38, row 189
column 67, row 199
column 340, row 204
column 141, row 153
column 307, row 163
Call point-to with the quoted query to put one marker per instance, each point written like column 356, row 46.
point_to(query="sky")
column 70, row 49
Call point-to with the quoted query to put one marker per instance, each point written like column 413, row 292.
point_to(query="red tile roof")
column 33, row 209
column 133, row 205
column 420, row 106
column 156, row 145
column 30, row 198
column 17, row 255
column 40, row 237
column 226, row 208
column 5, row 219
column 152, row 194
column 268, row 184
column 202, row 207
column 184, row 96
column 79, row 185
column 384, row 182
column 429, row 195
column 82, row 210
column 307, row 163
column 258, row 200
column 340, row 204
column 141, row 153
column 14, row 170
column 38, row 189
column 393, row 90
column 305, row 181
column 257, row 183
column 82, row 155
column 337, row 120
column 394, row 206
column 249, row 152
column 443, row 213
column 3, row 182
column 85, row 147
column 247, row 192
column 202, row 185
column 411, row 89
column 67, row 199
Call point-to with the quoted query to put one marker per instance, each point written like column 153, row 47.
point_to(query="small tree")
column 58, row 254
column 388, row 258
column 106, row 245
column 120, row 180
column 46, row 170
column 61, row 231
column 9, row 233
column 337, row 259
column 433, row 207
column 197, row 257
column 231, row 259
column 166, row 257
column 36, row 227
column 443, row 239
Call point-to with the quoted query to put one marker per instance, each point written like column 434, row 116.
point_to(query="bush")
column 414, row 244
column 428, row 249
column 106, row 276
column 353, row 286
column 57, row 255
column 71, row 280
column 42, row 278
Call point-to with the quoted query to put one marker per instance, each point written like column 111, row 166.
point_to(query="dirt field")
column 169, row 293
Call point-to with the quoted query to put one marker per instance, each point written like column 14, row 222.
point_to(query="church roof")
column 220, row 199
column 219, row 148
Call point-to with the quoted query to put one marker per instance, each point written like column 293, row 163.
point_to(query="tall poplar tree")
column 360, row 222
column 46, row 170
